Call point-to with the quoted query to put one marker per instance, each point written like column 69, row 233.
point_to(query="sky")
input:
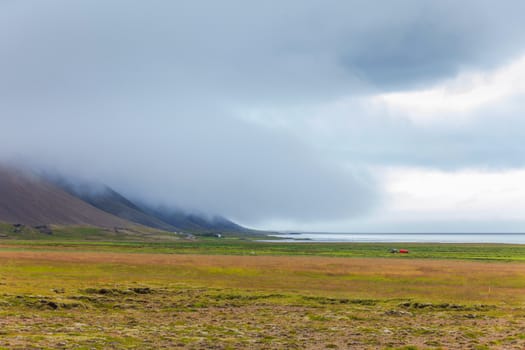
column 347, row 116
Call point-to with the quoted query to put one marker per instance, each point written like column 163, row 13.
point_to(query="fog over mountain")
column 276, row 114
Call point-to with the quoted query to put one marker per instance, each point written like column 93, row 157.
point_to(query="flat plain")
column 237, row 294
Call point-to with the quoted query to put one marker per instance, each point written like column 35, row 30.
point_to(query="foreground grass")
column 55, row 296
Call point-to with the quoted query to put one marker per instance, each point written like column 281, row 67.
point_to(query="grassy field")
column 241, row 294
column 235, row 246
column 144, row 240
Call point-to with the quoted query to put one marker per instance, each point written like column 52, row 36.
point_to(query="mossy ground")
column 73, row 298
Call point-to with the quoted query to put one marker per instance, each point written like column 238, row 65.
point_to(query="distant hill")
column 31, row 200
column 187, row 221
column 110, row 201
column 161, row 217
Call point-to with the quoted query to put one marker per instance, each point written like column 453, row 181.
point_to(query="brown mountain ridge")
column 30, row 200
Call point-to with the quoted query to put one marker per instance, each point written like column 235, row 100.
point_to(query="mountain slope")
column 110, row 201
column 187, row 221
column 28, row 199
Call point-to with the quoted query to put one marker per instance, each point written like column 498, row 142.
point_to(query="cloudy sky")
column 371, row 116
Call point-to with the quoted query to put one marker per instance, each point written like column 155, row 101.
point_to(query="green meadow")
column 235, row 246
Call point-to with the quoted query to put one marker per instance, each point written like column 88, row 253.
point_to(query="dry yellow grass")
column 441, row 280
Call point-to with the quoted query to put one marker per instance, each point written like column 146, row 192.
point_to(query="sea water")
column 401, row 237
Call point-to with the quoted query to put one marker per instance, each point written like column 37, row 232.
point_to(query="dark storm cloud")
column 261, row 52
column 418, row 42
column 146, row 96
